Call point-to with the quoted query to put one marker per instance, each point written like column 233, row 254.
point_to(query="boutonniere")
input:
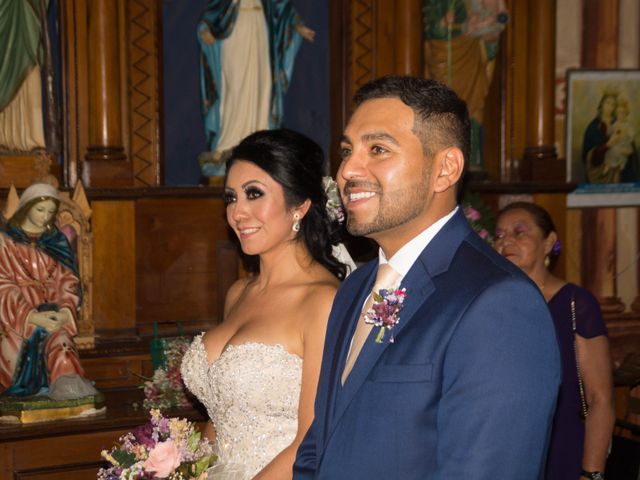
column 385, row 311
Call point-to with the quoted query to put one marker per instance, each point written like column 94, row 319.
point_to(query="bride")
column 257, row 372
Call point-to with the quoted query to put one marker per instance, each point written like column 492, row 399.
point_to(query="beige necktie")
column 388, row 278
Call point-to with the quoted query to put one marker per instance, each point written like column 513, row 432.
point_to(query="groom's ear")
column 448, row 168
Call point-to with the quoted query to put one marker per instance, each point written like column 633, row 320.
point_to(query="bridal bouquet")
column 166, row 388
column 163, row 448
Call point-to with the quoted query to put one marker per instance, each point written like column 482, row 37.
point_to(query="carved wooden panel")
column 624, row 335
column 112, row 101
column 21, row 170
column 144, row 90
column 370, row 38
column 177, row 262
column 115, row 258
column 362, row 43
column 74, row 214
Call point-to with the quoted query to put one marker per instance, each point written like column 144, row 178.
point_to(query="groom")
column 464, row 385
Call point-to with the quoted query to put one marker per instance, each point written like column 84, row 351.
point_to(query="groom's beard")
column 395, row 207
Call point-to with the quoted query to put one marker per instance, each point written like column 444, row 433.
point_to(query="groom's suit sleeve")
column 304, row 468
column 501, row 374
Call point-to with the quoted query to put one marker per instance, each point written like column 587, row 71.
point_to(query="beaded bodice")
column 251, row 394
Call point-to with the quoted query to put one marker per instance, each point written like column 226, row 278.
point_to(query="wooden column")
column 540, row 152
column 409, row 38
column 105, row 136
column 600, row 50
column 635, row 306
column 599, row 257
column 513, row 108
column 600, row 33
column 112, row 108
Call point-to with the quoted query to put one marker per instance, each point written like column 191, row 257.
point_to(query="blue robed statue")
column 248, row 48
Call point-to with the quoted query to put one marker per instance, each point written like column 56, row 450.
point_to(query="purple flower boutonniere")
column 385, row 311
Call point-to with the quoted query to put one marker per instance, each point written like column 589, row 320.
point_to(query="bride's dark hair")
column 296, row 162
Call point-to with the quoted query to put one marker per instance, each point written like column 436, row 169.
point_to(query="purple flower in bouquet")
column 144, row 435
column 169, row 448
column 161, row 423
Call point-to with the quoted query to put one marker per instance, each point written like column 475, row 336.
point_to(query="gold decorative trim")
column 49, row 414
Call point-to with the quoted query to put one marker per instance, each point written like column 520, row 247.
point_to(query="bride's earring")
column 296, row 222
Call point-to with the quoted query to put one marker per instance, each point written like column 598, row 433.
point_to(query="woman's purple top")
column 567, row 436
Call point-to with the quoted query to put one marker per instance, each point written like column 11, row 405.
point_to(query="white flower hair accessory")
column 334, row 204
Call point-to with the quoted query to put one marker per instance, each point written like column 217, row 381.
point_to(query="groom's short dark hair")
column 441, row 116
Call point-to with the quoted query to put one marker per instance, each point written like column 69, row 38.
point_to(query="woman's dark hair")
column 297, row 164
column 542, row 219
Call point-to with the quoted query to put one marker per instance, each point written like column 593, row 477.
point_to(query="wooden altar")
column 70, row 449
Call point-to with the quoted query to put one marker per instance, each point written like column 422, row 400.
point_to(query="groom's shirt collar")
column 404, row 258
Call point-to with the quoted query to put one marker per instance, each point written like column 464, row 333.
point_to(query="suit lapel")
column 342, row 340
column 434, row 260
column 371, row 351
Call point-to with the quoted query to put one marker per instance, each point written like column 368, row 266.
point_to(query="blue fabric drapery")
column 30, row 377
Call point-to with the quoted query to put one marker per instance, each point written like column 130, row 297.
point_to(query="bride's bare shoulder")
column 319, row 294
column 234, row 293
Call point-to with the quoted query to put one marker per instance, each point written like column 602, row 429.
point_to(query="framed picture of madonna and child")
column 603, row 129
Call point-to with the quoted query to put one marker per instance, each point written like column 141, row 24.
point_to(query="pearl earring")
column 296, row 222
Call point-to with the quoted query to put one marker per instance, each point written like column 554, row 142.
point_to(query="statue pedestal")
column 39, row 408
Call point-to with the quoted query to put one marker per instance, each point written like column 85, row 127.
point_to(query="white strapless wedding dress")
column 251, row 393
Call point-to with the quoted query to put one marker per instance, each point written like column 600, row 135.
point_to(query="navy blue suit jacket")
column 467, row 390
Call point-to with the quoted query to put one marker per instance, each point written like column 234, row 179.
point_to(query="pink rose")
column 163, row 459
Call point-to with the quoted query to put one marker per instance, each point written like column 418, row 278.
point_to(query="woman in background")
column 525, row 234
column 257, row 372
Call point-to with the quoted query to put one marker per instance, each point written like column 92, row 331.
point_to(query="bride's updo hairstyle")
column 296, row 163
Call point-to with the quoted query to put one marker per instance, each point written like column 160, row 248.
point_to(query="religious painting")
column 461, row 40
column 603, row 130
